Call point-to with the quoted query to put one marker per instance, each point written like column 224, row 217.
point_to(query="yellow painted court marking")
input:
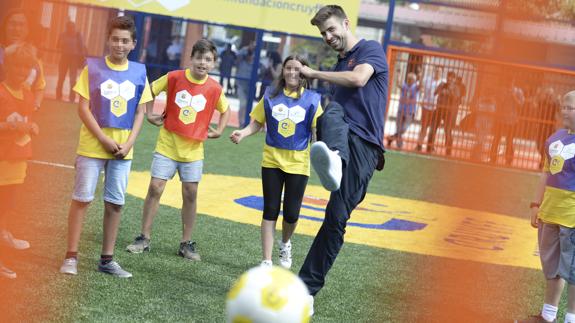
column 380, row 221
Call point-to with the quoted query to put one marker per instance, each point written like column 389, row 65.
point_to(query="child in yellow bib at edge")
column 16, row 132
column 290, row 111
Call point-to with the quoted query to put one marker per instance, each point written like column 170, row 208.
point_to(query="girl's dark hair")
column 280, row 83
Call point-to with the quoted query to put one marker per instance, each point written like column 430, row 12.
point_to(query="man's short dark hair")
column 327, row 12
column 203, row 46
column 123, row 23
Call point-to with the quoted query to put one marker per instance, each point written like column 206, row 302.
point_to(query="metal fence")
column 473, row 109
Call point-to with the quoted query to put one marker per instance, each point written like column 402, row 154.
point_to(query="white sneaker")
column 7, row 272
column 266, row 263
column 12, row 242
column 310, row 300
column 327, row 164
column 69, row 266
column 285, row 254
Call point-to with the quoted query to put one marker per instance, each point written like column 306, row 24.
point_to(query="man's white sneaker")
column 327, row 164
column 310, row 300
column 285, row 254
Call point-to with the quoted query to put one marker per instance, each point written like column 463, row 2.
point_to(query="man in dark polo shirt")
column 350, row 133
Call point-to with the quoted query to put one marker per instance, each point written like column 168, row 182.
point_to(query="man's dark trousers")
column 360, row 159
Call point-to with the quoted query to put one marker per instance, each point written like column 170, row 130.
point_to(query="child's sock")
column 549, row 312
column 569, row 318
column 72, row 254
column 284, row 244
column 106, row 259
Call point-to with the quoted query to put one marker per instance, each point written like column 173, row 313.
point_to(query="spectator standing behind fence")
column 508, row 111
column 72, row 57
column 174, row 51
column 271, row 70
column 407, row 109
column 428, row 86
column 484, row 119
column 548, row 106
column 462, row 91
column 448, row 97
column 244, row 67
column 227, row 60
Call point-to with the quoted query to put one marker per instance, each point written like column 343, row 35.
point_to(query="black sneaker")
column 188, row 251
column 140, row 244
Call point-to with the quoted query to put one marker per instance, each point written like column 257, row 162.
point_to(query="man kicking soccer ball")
column 350, row 133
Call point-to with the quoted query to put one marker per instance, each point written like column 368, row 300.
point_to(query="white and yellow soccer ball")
column 268, row 294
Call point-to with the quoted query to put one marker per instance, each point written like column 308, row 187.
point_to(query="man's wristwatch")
column 534, row 204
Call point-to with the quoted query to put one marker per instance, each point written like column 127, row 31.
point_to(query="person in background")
column 72, row 58
column 227, row 59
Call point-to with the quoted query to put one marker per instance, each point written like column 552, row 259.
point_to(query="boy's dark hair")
column 203, row 46
column 123, row 23
column 327, row 12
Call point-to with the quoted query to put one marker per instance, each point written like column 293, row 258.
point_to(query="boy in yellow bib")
column 553, row 214
column 113, row 92
column 192, row 98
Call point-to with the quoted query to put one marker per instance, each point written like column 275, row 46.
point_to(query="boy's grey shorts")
column 557, row 251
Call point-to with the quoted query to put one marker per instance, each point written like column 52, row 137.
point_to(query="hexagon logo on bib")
column 187, row 115
column 286, row 128
column 118, row 94
column 288, row 118
column 559, row 154
column 198, row 102
column 556, row 165
column 118, row 106
column 296, row 114
column 183, row 99
column 109, row 89
column 280, row 112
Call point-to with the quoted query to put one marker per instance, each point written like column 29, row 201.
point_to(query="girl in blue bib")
column 289, row 110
